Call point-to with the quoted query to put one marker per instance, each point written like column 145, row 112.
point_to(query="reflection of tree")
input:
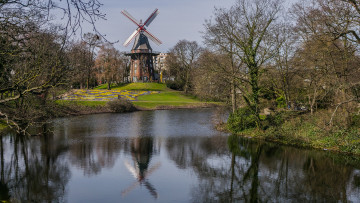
column 30, row 174
column 187, row 151
column 93, row 154
column 319, row 175
column 257, row 172
column 141, row 151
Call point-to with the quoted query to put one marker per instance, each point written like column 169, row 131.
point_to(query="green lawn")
column 137, row 86
column 166, row 99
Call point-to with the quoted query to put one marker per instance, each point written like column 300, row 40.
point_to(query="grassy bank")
column 305, row 130
column 165, row 100
column 82, row 107
column 144, row 96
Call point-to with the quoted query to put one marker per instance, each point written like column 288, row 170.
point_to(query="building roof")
column 142, row 42
column 142, row 46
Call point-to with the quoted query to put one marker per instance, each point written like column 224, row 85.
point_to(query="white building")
column 160, row 65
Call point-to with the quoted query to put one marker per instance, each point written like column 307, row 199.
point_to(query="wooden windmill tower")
column 142, row 67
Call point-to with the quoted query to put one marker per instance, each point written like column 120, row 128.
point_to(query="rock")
column 267, row 111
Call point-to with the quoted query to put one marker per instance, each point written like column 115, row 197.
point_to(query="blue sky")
column 177, row 20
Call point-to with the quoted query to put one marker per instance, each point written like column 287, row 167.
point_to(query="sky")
column 177, row 20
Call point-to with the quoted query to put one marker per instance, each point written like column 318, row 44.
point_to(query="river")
column 166, row 156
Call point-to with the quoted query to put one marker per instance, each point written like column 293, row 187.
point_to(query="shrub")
column 355, row 120
column 281, row 102
column 121, row 105
column 241, row 120
column 175, row 85
column 275, row 120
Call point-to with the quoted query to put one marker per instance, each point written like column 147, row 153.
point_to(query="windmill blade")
column 152, row 37
column 130, row 188
column 126, row 14
column 151, row 17
column 151, row 189
column 131, row 169
column 132, row 36
column 152, row 169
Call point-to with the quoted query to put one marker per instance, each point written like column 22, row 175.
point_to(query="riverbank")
column 144, row 96
column 304, row 130
column 76, row 108
column 140, row 97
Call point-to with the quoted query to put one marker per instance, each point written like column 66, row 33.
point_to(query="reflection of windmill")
column 141, row 68
column 141, row 150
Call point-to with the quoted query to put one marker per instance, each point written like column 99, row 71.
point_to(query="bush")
column 121, row 105
column 281, row 102
column 275, row 120
column 175, row 85
column 241, row 120
column 355, row 120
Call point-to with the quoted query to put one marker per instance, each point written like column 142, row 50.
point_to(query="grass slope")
column 163, row 99
column 81, row 103
column 167, row 98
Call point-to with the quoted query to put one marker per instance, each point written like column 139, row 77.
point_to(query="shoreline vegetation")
column 300, row 129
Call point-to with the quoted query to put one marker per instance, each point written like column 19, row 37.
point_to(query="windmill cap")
column 142, row 42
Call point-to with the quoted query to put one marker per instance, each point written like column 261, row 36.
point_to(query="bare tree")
column 32, row 56
column 184, row 56
column 74, row 13
column 245, row 29
column 92, row 41
column 218, row 40
column 110, row 64
column 212, row 79
column 329, row 47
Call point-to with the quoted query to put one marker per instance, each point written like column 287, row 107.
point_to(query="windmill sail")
column 141, row 27
column 152, row 37
column 151, row 17
column 132, row 36
column 126, row 14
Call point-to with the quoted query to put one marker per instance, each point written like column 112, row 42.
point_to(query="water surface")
column 166, row 156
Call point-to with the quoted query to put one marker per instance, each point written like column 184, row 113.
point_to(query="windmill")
column 141, row 176
column 141, row 152
column 142, row 67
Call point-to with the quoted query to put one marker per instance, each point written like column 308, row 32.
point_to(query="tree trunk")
column 186, row 82
column 233, row 95
column 312, row 102
column 254, row 76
